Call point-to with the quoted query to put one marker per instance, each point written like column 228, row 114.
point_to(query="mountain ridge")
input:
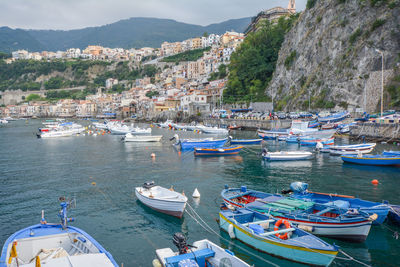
column 133, row 32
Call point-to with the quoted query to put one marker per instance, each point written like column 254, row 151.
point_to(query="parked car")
column 293, row 115
column 281, row 115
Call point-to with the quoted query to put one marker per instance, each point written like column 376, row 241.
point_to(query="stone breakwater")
column 250, row 124
column 388, row 132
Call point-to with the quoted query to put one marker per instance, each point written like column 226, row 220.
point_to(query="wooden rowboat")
column 223, row 151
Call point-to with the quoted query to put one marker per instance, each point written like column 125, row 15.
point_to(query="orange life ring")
column 276, row 228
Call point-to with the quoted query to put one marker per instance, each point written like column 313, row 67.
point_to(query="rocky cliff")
column 330, row 57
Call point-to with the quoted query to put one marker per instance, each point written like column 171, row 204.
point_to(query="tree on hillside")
column 253, row 62
column 33, row 97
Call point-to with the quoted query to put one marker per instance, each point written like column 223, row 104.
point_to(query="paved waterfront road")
column 35, row 172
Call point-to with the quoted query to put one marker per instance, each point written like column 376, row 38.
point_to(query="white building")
column 110, row 82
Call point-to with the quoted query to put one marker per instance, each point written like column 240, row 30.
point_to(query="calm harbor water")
column 35, row 172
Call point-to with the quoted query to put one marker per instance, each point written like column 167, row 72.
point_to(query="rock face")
column 329, row 56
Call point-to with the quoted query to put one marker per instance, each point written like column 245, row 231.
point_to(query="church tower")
column 292, row 6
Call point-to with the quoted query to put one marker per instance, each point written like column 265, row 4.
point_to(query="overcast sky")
column 75, row 14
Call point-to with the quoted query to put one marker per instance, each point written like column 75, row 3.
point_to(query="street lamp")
column 380, row 52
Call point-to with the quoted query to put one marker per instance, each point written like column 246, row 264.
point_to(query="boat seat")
column 199, row 255
column 278, row 232
column 258, row 222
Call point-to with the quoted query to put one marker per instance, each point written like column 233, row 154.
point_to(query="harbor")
column 101, row 172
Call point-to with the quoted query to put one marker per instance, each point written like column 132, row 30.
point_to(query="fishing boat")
column 377, row 160
column 100, row 125
column 246, row 141
column 234, row 127
column 313, row 124
column 313, row 142
column 394, row 214
column 56, row 133
column 352, row 149
column 3, row 121
column 201, row 253
column 161, row 199
column 334, row 117
column 332, row 220
column 212, row 130
column 299, row 190
column 141, row 138
column 293, row 139
column 54, row 244
column 287, row 155
column 138, row 130
column 391, row 153
column 264, row 234
column 190, row 144
column 271, row 135
column 222, row 151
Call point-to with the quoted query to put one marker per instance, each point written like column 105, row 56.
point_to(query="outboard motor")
column 179, row 241
column 149, row 185
column 299, row 187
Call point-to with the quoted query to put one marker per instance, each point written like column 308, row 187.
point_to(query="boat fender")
column 373, row 217
column 156, row 263
column 276, row 228
column 231, row 231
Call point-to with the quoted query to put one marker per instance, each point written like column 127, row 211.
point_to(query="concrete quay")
column 387, row 132
column 250, row 124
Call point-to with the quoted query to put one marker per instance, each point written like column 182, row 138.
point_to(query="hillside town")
column 183, row 86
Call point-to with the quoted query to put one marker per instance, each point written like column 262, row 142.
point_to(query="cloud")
column 75, row 14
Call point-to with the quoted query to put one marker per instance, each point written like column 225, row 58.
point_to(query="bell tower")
column 292, row 6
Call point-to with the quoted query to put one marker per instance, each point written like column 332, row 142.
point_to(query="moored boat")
column 391, row 153
column 377, row 160
column 264, row 233
column 245, row 141
column 330, row 220
column 222, row 151
column 299, row 190
column 141, row 138
column 334, row 117
column 48, row 244
column 190, row 144
column 212, row 130
column 287, row 155
column 313, row 142
column 352, row 149
column 161, row 199
column 202, row 253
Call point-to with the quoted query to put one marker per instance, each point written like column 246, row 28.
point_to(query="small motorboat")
column 271, row 135
column 266, row 234
column 212, row 130
column 313, row 141
column 138, row 131
column 234, row 127
column 222, row 151
column 201, row 253
column 190, row 144
column 141, row 138
column 287, row 155
column 391, row 153
column 293, row 139
column 299, row 190
column 165, row 124
column 54, row 244
column 161, row 199
column 352, row 149
column 334, row 220
column 246, row 141
column 377, row 160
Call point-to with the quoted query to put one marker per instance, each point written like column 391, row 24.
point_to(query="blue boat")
column 334, row 220
column 264, row 234
column 54, row 245
column 313, row 141
column 377, row 160
column 313, row 124
column 201, row 253
column 271, row 135
column 223, row 151
column 190, row 144
column 300, row 191
column 246, row 141
column 394, row 214
column 391, row 153
column 335, row 117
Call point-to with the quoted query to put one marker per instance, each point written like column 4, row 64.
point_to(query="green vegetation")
column 4, row 55
column 191, row 55
column 311, row 4
column 220, row 74
column 33, row 97
column 353, row 37
column 319, row 18
column 290, row 59
column 377, row 2
column 150, row 94
column 377, row 23
column 254, row 61
column 53, row 95
column 393, row 88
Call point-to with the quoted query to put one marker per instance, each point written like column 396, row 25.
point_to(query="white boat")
column 142, row 138
column 287, row 155
column 138, row 130
column 54, row 245
column 100, row 125
column 200, row 252
column 56, row 133
column 165, row 124
column 212, row 130
column 352, row 149
column 161, row 199
column 3, row 121
column 120, row 129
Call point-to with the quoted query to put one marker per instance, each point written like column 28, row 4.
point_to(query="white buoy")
column 196, row 193
column 231, row 231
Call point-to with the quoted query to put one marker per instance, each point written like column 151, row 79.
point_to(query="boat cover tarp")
column 299, row 187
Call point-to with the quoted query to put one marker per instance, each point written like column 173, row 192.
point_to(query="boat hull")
column 191, row 144
column 246, row 142
column 217, row 152
column 173, row 208
column 293, row 253
column 287, row 156
column 383, row 161
column 142, row 138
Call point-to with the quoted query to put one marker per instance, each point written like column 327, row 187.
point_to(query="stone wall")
column 250, row 124
column 389, row 132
